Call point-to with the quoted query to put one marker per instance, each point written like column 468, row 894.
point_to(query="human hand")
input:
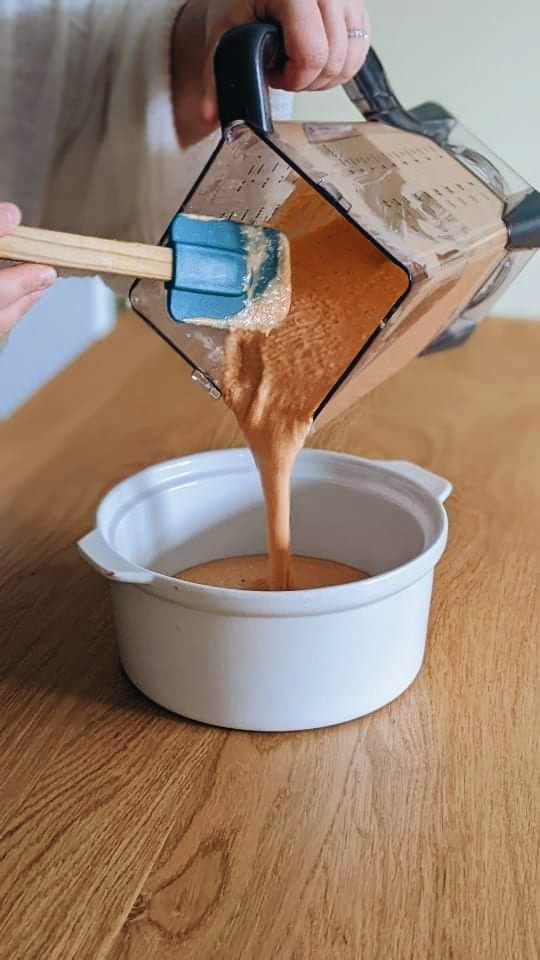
column 320, row 52
column 20, row 286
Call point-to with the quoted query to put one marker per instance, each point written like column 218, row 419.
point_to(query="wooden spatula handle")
column 89, row 254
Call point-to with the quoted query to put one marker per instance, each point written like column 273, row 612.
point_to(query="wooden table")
column 130, row 834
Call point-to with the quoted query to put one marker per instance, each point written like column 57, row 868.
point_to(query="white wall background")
column 481, row 60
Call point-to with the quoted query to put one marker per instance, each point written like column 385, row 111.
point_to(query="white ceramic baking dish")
column 271, row 661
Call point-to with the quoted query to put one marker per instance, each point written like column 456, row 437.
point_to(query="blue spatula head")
column 222, row 272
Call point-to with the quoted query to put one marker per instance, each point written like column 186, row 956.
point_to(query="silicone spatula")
column 212, row 269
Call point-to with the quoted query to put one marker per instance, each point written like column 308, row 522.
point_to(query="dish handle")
column 110, row 564
column 439, row 487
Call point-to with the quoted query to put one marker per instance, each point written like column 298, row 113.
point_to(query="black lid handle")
column 371, row 92
column 243, row 56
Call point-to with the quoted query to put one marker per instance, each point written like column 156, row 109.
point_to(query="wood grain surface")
column 127, row 833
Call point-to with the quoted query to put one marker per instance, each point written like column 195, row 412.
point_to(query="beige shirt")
column 87, row 135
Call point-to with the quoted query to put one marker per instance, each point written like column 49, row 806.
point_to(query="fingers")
column 20, row 288
column 209, row 109
column 320, row 54
column 305, row 40
column 306, row 43
column 23, row 285
column 27, row 278
column 338, row 44
column 357, row 18
column 10, row 316
column 10, row 217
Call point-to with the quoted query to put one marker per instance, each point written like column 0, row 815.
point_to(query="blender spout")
column 523, row 223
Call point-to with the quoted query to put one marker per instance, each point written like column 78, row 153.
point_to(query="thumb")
column 209, row 108
column 10, row 217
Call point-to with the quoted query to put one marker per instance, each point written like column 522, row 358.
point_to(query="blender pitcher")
column 452, row 223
